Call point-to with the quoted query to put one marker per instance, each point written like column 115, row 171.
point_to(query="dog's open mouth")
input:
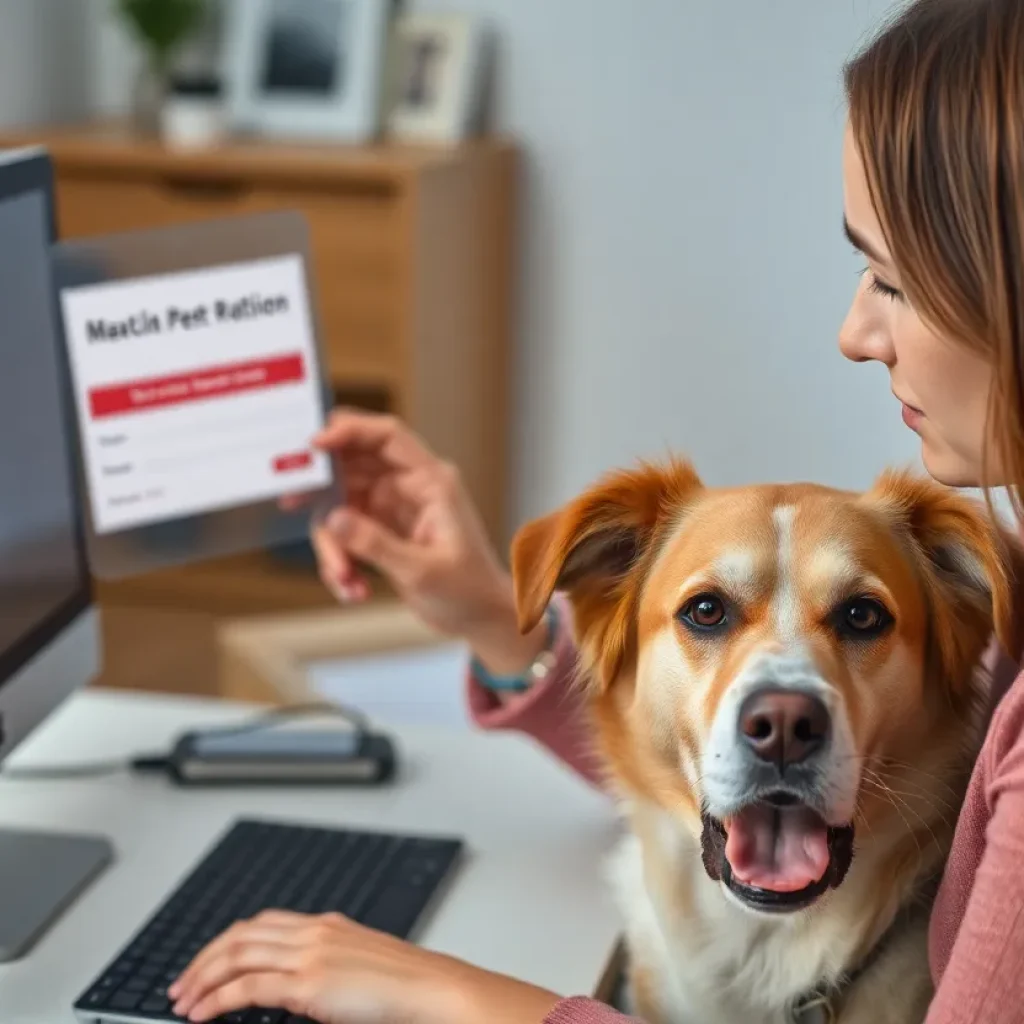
column 777, row 855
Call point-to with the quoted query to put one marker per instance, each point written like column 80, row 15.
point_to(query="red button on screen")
column 290, row 463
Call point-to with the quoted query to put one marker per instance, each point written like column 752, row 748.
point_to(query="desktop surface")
column 528, row 898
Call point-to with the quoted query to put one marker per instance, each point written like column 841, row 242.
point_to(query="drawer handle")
column 207, row 189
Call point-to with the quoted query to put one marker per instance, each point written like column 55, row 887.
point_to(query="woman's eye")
column 886, row 290
column 881, row 288
column 864, row 616
column 704, row 612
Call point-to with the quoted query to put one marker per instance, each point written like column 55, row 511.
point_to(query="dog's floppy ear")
column 971, row 567
column 593, row 548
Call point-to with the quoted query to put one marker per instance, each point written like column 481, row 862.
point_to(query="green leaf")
column 162, row 25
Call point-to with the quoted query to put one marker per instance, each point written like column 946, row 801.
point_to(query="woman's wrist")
column 474, row 995
column 497, row 643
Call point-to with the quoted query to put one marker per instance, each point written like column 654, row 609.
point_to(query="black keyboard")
column 382, row 881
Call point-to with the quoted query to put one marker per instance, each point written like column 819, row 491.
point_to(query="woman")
column 934, row 199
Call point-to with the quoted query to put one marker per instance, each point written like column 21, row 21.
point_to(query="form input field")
column 239, row 419
column 189, row 443
column 190, row 460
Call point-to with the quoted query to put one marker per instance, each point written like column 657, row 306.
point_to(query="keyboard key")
column 395, row 911
column 125, row 1000
column 155, row 1004
column 265, row 1016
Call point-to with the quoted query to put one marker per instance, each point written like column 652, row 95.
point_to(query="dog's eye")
column 864, row 616
column 704, row 612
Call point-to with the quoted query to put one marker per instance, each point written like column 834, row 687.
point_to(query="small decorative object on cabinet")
column 413, row 257
column 441, row 68
column 161, row 27
column 193, row 113
column 307, row 68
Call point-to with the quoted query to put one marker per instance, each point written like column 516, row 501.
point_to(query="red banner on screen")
column 213, row 382
column 290, row 463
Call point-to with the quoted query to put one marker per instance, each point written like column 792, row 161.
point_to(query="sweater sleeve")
column 551, row 712
column 982, row 983
column 586, row 1011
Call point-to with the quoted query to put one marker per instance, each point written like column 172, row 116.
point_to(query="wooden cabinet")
column 413, row 259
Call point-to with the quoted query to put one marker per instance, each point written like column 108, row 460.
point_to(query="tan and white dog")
column 784, row 686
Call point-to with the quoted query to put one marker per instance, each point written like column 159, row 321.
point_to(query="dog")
column 785, row 692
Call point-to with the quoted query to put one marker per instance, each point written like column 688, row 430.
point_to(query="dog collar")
column 816, row 1009
column 821, row 1005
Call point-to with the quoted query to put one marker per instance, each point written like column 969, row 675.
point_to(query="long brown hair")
column 937, row 110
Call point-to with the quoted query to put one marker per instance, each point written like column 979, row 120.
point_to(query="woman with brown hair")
column 934, row 199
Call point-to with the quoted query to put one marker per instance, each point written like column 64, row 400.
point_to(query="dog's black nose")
column 783, row 726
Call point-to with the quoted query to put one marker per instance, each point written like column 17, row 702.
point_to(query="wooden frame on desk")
column 265, row 659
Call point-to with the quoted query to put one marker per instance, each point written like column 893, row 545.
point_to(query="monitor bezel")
column 31, row 172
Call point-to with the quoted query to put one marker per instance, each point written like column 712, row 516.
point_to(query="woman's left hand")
column 334, row 971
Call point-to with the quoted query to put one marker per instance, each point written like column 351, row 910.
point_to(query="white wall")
column 684, row 271
column 44, row 68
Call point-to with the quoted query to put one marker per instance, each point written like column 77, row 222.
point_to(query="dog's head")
column 760, row 660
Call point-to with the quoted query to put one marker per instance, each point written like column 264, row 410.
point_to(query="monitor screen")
column 42, row 576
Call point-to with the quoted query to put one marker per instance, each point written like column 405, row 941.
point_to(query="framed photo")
column 308, row 69
column 440, row 66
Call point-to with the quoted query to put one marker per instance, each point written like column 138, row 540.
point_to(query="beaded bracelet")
column 539, row 669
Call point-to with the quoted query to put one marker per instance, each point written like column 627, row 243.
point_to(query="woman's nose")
column 864, row 337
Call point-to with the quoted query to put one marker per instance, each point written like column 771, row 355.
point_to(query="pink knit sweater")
column 977, row 930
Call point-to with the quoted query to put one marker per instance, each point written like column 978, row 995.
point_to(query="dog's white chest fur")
column 698, row 956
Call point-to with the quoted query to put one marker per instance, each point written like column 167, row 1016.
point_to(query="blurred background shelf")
column 413, row 254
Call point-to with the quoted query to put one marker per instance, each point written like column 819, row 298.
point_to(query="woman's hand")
column 337, row 972
column 408, row 515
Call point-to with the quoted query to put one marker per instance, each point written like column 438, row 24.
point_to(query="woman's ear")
column 595, row 549
column 972, row 569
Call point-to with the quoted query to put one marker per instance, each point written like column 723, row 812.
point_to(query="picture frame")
column 440, row 65
column 306, row 69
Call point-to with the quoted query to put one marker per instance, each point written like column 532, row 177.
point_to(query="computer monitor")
column 49, row 640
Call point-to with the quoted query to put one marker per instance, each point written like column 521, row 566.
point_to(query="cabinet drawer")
column 360, row 323
column 97, row 204
column 354, row 241
column 101, row 205
column 355, row 260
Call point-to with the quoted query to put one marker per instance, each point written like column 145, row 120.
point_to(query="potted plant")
column 161, row 27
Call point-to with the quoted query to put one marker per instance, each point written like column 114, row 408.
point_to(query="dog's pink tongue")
column 782, row 849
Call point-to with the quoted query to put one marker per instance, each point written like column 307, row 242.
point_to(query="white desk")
column 530, row 899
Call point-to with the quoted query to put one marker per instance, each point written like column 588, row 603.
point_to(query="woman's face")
column 943, row 386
